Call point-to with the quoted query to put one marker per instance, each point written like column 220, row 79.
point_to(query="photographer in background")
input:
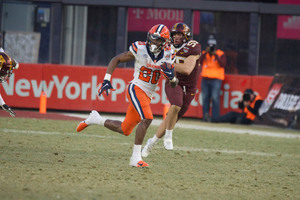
column 249, row 104
column 213, row 61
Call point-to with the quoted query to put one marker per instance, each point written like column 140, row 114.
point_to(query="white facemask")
column 154, row 49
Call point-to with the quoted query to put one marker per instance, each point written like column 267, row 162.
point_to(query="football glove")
column 174, row 82
column 9, row 110
column 106, row 85
column 167, row 72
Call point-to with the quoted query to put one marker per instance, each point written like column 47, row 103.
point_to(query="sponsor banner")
column 138, row 16
column 288, row 26
column 281, row 107
column 75, row 88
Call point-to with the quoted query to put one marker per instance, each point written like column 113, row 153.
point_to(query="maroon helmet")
column 6, row 67
column 182, row 28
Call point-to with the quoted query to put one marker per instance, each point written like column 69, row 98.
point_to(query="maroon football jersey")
column 189, row 81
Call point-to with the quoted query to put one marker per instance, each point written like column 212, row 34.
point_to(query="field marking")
column 52, row 133
column 175, row 148
column 208, row 127
column 234, row 152
column 239, row 131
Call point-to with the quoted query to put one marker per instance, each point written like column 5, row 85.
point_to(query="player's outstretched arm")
column 187, row 67
column 169, row 73
column 123, row 57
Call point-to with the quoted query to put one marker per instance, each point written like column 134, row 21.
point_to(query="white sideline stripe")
column 209, row 127
column 239, row 131
column 51, row 133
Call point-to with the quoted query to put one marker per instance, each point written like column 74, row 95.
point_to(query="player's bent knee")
column 176, row 108
column 146, row 122
column 127, row 132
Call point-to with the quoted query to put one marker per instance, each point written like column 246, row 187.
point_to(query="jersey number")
column 148, row 75
column 192, row 43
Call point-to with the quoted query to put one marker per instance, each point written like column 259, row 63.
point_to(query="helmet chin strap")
column 178, row 45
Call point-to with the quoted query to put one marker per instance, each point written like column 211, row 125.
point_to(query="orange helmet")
column 6, row 67
column 184, row 30
column 158, row 36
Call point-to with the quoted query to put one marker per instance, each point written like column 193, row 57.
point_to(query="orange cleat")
column 82, row 125
column 142, row 164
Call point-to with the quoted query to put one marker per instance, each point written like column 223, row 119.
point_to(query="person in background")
column 249, row 105
column 187, row 68
column 213, row 61
column 152, row 58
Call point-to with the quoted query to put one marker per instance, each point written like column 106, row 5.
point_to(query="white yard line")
column 160, row 147
column 192, row 149
column 208, row 127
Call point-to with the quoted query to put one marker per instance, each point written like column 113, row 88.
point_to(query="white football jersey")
column 147, row 69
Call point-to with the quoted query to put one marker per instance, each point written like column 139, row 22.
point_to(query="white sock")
column 168, row 134
column 136, row 154
column 102, row 121
column 95, row 120
column 155, row 139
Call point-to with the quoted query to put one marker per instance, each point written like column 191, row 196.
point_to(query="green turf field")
column 47, row 159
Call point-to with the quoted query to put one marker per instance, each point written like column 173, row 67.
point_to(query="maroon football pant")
column 180, row 97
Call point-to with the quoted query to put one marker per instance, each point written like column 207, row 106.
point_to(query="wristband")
column 107, row 76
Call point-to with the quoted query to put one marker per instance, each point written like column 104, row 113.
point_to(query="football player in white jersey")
column 152, row 58
column 187, row 68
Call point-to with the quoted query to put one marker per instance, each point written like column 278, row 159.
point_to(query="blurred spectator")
column 213, row 61
column 249, row 104
column 231, row 55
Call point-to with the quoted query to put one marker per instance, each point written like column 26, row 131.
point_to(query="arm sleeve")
column 134, row 48
column 241, row 105
column 222, row 60
column 256, row 107
column 202, row 57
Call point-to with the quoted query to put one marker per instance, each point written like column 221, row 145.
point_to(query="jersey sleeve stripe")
column 134, row 47
column 173, row 56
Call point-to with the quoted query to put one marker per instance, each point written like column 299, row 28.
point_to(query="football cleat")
column 147, row 148
column 168, row 144
column 93, row 119
column 82, row 125
column 139, row 164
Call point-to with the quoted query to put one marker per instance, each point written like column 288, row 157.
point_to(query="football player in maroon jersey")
column 187, row 68
column 7, row 65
